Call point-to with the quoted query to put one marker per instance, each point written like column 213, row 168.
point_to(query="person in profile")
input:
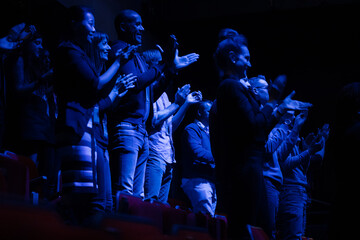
column 79, row 88
column 240, row 129
column 99, row 55
column 128, row 136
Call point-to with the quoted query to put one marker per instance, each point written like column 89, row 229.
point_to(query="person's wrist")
column 272, row 104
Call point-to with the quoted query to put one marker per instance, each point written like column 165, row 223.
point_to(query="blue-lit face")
column 87, row 27
column 36, row 47
column 243, row 60
column 104, row 49
column 207, row 108
column 204, row 113
column 261, row 91
column 135, row 28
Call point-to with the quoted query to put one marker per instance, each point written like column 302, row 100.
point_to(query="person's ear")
column 123, row 27
column 232, row 57
column 255, row 91
column 198, row 113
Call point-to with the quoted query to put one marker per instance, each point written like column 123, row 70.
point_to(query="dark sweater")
column 76, row 85
column 132, row 108
column 197, row 159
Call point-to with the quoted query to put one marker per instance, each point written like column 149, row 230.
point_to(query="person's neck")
column 235, row 75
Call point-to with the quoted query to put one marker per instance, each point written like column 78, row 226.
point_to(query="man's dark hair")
column 200, row 106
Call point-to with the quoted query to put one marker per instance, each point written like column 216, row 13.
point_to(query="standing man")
column 198, row 171
column 294, row 199
column 129, row 146
column 167, row 117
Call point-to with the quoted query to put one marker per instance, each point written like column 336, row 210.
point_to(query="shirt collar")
column 245, row 82
column 202, row 126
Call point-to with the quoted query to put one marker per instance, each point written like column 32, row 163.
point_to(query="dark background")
column 315, row 43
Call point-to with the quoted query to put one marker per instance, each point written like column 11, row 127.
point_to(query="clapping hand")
column 324, row 131
column 194, row 97
column 300, row 120
column 125, row 54
column 180, row 62
column 312, row 140
column 184, row 61
column 181, row 94
column 16, row 36
column 124, row 83
column 315, row 147
column 290, row 104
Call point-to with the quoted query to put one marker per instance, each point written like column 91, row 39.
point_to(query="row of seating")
column 134, row 218
column 19, row 177
column 21, row 220
column 22, row 217
column 168, row 219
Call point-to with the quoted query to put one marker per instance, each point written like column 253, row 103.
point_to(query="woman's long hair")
column 94, row 52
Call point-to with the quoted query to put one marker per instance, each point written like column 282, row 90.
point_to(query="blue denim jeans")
column 272, row 197
column 292, row 212
column 128, row 155
column 158, row 178
column 201, row 193
column 104, row 179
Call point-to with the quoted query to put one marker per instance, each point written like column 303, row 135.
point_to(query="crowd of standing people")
column 99, row 112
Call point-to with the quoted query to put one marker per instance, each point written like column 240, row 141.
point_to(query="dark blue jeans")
column 128, row 155
column 272, row 207
column 104, row 179
column 292, row 212
column 158, row 179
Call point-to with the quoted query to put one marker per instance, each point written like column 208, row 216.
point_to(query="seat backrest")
column 257, row 233
column 33, row 171
column 130, row 227
column 15, row 177
column 135, row 206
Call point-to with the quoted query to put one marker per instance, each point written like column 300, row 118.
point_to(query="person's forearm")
column 26, row 88
column 161, row 116
column 179, row 116
column 295, row 161
column 109, row 74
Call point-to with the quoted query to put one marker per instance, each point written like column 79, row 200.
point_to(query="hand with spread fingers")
column 194, row 97
column 124, row 83
column 290, row 104
column 16, row 36
column 184, row 61
column 126, row 53
column 181, row 94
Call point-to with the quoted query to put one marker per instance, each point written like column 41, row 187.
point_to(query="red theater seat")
column 15, row 178
column 135, row 206
column 131, row 228
column 19, row 221
column 257, row 233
